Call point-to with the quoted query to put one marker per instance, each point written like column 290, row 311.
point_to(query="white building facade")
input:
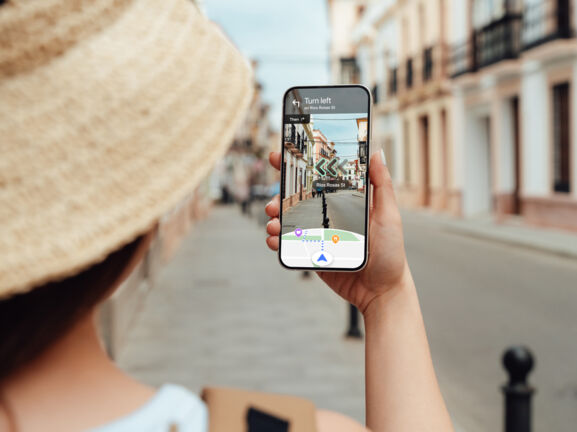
column 514, row 69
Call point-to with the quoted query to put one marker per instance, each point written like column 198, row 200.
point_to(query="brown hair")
column 31, row 322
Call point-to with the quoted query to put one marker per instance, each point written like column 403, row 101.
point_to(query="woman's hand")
column 386, row 268
column 397, row 355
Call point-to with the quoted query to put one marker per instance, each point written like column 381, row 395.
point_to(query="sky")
column 289, row 38
column 340, row 128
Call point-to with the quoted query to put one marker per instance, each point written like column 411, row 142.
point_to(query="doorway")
column 516, row 204
column 444, row 159
column 478, row 199
column 425, row 166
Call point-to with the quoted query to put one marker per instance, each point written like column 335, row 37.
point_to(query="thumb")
column 384, row 201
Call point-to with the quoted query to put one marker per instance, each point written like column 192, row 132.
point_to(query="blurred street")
column 226, row 313
column 346, row 210
column 479, row 297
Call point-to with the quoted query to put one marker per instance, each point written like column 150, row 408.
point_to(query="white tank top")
column 172, row 409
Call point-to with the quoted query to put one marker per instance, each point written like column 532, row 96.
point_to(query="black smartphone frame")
column 367, row 180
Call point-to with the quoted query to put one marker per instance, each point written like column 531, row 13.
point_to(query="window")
column 393, row 84
column 428, row 64
column 409, row 76
column 561, row 139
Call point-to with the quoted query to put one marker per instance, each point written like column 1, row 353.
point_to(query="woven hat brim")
column 100, row 142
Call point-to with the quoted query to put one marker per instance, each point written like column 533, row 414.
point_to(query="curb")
column 512, row 240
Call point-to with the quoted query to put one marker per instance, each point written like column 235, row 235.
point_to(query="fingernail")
column 269, row 203
column 383, row 158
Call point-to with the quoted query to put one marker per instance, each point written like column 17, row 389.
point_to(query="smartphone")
column 325, row 178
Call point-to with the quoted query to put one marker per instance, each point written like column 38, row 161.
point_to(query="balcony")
column 290, row 136
column 507, row 37
column 420, row 76
column 462, row 59
column 545, row 21
column 294, row 141
column 497, row 41
column 349, row 70
column 362, row 152
column 375, row 93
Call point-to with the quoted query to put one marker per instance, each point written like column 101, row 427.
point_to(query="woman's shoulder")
column 172, row 407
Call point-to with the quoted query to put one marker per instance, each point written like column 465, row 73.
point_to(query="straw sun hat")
column 111, row 111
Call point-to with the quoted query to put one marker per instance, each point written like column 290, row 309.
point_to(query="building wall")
column 484, row 127
column 343, row 16
column 483, row 158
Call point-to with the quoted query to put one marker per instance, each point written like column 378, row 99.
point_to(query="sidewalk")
column 305, row 214
column 225, row 312
column 557, row 242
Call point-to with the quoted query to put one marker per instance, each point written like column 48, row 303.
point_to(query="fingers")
column 274, row 159
column 273, row 227
column 272, row 243
column 384, row 201
column 272, row 209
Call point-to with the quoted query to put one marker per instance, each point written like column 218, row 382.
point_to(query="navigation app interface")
column 324, row 184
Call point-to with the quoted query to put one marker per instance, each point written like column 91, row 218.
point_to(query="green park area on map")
column 327, row 236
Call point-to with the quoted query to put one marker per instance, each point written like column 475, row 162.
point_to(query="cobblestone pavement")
column 225, row 313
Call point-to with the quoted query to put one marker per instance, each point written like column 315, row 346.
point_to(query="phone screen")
column 324, row 178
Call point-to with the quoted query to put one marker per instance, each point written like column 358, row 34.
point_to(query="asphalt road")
column 346, row 211
column 479, row 297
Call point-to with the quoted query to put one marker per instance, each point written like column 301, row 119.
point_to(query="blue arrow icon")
column 322, row 258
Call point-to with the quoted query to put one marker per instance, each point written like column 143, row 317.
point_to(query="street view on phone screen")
column 325, row 178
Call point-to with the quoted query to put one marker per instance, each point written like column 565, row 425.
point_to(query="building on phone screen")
column 298, row 149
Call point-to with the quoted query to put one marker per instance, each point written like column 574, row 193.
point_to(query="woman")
column 111, row 111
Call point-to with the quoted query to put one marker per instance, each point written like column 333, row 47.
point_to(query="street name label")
column 331, row 184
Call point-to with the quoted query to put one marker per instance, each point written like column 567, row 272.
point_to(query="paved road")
column 346, row 211
column 479, row 297
column 227, row 313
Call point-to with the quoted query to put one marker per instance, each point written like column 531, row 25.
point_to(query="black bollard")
column 518, row 361
column 325, row 218
column 354, row 330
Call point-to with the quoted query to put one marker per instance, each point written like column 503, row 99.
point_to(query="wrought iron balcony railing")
column 419, row 72
column 497, row 41
column 506, row 37
column 545, row 21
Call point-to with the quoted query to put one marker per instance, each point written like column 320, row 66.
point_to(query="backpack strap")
column 234, row 410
